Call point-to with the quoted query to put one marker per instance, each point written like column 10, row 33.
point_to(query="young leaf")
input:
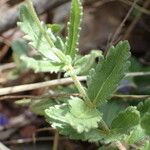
column 74, row 28
column 36, row 34
column 126, row 120
column 83, row 64
column 42, row 65
column 108, row 73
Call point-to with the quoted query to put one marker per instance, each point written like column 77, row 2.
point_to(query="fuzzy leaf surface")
column 108, row 73
column 81, row 117
column 35, row 36
column 75, row 114
column 74, row 28
column 41, row 65
column 55, row 115
column 126, row 120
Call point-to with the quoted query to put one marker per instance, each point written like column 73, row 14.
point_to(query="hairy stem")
column 79, row 85
column 103, row 126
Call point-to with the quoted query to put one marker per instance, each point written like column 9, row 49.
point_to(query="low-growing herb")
column 82, row 118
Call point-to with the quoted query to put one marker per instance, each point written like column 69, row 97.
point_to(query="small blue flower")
column 3, row 120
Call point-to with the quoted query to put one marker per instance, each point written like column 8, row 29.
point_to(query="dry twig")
column 135, row 21
column 65, row 81
column 118, row 30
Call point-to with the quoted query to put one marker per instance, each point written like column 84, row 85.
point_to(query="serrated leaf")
column 37, row 37
column 76, row 114
column 42, row 65
column 145, row 123
column 74, row 28
column 39, row 106
column 109, row 73
column 126, row 120
column 82, row 65
column 81, row 117
column 56, row 115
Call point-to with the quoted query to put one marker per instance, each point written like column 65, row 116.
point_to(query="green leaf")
column 126, row 120
column 111, row 109
column 37, row 34
column 56, row 28
column 108, row 73
column 74, row 28
column 81, row 117
column 145, row 123
column 60, row 44
column 77, row 115
column 136, row 135
column 55, row 115
column 39, row 106
column 94, row 135
column 83, row 64
column 42, row 65
column 144, row 107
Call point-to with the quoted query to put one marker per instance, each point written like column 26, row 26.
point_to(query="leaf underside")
column 34, row 34
column 41, row 65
